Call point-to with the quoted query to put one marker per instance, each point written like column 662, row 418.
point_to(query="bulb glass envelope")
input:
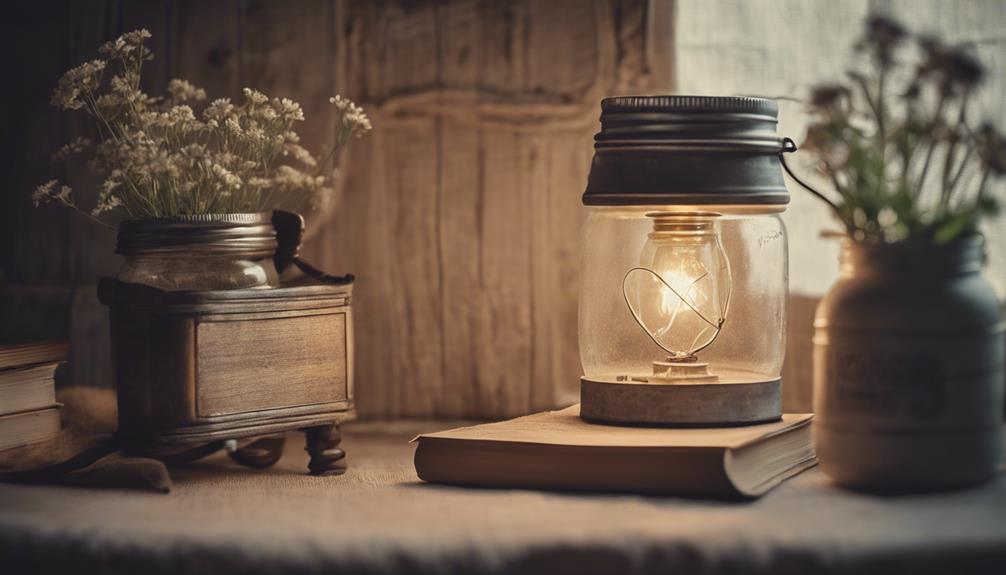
column 684, row 265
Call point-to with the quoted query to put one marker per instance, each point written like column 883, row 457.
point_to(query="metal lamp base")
column 685, row 403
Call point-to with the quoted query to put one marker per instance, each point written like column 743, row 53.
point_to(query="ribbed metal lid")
column 695, row 104
column 687, row 150
column 249, row 235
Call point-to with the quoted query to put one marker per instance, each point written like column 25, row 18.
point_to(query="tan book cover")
column 558, row 450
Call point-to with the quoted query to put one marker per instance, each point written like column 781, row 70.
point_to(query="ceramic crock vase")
column 908, row 369
column 199, row 252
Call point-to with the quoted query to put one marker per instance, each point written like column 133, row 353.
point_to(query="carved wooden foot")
column 261, row 453
column 322, row 445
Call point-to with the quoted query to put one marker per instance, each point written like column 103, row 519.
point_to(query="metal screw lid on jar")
column 247, row 235
column 688, row 150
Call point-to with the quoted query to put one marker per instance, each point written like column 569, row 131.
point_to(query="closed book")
column 25, row 354
column 557, row 450
column 29, row 427
column 27, row 388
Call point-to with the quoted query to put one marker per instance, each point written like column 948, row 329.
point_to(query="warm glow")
column 680, row 290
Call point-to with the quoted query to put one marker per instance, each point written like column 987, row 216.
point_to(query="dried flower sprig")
column 160, row 157
column 895, row 128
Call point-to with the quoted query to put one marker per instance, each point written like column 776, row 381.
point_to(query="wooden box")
column 198, row 368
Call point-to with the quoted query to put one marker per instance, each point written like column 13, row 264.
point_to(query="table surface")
column 379, row 518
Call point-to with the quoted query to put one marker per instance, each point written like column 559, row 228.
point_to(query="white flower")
column 82, row 80
column 43, row 193
column 300, row 154
column 255, row 97
column 107, row 200
column 288, row 109
column 65, row 195
column 182, row 91
column 160, row 158
column 125, row 44
column 233, row 126
column 219, row 110
column 228, row 178
column 75, row 147
column 352, row 117
column 46, row 193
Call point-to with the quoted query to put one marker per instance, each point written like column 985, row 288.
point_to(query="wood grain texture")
column 247, row 366
column 460, row 214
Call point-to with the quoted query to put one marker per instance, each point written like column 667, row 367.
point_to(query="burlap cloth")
column 84, row 453
column 378, row 518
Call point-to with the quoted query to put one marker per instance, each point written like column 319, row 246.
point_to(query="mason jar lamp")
column 684, row 263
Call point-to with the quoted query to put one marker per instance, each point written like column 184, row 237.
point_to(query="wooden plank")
column 562, row 31
column 287, row 51
column 503, row 351
column 509, row 96
column 555, row 266
column 160, row 17
column 460, row 235
column 363, row 249
column 206, row 46
column 415, row 267
column 459, row 28
column 501, row 51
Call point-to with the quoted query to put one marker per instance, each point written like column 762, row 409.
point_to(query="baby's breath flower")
column 43, row 193
column 229, row 179
column 288, row 109
column 352, row 117
column 75, row 147
column 255, row 97
column 219, row 110
column 107, row 200
column 47, row 193
column 233, row 126
column 125, row 45
column 183, row 91
column 65, row 195
column 160, row 158
column 299, row 153
column 78, row 82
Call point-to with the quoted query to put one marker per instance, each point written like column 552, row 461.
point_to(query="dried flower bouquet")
column 159, row 157
column 897, row 143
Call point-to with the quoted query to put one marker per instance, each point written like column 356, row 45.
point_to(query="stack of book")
column 28, row 409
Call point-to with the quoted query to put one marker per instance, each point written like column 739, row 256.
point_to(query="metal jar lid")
column 687, row 150
column 246, row 235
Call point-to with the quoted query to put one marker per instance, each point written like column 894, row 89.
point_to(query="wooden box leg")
column 323, row 447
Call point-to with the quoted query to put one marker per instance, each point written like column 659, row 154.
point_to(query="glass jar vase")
column 199, row 252
column 908, row 368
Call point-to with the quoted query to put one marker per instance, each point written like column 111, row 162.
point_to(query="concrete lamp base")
column 686, row 402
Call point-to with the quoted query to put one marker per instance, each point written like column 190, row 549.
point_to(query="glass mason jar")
column 909, row 368
column 200, row 252
column 684, row 261
column 745, row 286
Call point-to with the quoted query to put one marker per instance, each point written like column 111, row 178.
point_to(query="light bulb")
column 680, row 292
